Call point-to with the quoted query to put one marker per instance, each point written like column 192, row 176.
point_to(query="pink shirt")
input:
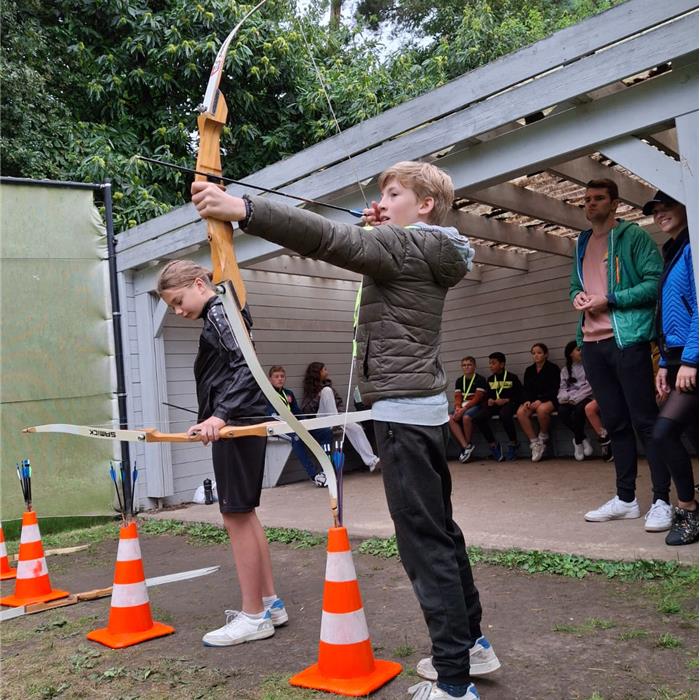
column 595, row 281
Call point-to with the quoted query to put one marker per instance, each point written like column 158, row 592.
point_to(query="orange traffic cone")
column 346, row 664
column 130, row 620
column 32, row 583
column 6, row 571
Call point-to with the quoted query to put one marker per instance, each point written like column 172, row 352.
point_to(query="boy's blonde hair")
column 426, row 180
column 182, row 273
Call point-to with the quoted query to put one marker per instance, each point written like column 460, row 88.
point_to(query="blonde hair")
column 182, row 273
column 426, row 180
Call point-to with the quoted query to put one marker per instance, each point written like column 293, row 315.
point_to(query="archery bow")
column 226, row 273
column 267, row 429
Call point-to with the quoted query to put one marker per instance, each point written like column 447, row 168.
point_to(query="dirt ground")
column 557, row 638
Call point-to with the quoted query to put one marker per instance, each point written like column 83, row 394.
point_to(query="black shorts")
column 239, row 464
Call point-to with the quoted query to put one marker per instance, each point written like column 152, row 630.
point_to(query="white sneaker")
column 466, row 453
column 427, row 690
column 320, row 480
column 614, row 509
column 659, row 517
column 278, row 613
column 482, row 661
column 579, row 452
column 239, row 628
column 537, row 448
column 375, row 464
column 587, row 448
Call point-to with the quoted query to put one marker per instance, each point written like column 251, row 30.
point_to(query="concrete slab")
column 498, row 506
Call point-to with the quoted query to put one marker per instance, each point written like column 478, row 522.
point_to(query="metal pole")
column 118, row 344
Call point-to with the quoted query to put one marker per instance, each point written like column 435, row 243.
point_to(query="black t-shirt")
column 505, row 385
column 468, row 386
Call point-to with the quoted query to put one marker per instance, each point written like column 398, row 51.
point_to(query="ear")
column 426, row 206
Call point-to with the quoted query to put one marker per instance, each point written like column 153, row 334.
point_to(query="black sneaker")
column 684, row 528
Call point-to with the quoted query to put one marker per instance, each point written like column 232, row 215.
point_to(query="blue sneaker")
column 496, row 452
column 278, row 613
column 512, row 452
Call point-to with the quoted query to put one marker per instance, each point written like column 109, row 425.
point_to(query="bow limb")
column 267, row 429
column 226, row 272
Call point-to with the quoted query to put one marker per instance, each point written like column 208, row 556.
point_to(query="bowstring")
column 350, row 161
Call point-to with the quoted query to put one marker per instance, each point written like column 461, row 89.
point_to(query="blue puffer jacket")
column 677, row 311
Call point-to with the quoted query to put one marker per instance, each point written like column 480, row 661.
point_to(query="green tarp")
column 56, row 353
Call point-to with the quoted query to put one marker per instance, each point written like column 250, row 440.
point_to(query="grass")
column 677, row 578
column 587, row 627
column 54, row 525
column 633, row 634
column 668, row 641
column 196, row 533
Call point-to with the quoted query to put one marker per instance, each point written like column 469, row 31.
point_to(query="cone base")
column 127, row 639
column 15, row 601
column 383, row 672
column 8, row 574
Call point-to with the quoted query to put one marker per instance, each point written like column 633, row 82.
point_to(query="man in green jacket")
column 614, row 285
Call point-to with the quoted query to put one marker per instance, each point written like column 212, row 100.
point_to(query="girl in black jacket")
column 227, row 393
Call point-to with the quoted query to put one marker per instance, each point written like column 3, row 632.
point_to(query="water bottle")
column 208, row 493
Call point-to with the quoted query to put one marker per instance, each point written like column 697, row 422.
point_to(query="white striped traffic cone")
column 32, row 584
column 6, row 571
column 346, row 663
column 130, row 620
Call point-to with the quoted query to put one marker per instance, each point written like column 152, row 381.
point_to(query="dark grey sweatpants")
column 418, row 490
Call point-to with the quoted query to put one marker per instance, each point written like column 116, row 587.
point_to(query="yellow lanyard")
column 283, row 396
column 498, row 391
column 466, row 389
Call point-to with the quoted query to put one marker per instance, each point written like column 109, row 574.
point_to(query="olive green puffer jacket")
column 407, row 272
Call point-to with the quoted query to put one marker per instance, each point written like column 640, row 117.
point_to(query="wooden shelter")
column 614, row 96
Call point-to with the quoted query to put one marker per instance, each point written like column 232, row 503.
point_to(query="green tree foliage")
column 88, row 84
column 469, row 34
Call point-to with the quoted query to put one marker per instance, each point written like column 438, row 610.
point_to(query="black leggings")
column 573, row 416
column 678, row 412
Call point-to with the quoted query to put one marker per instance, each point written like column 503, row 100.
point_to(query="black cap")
column 659, row 198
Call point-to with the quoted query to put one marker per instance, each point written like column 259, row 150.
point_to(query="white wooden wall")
column 299, row 319
column 508, row 311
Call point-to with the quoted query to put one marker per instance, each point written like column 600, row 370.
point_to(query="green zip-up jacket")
column 634, row 269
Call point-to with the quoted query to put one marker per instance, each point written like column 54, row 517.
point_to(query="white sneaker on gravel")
column 579, row 453
column 587, row 448
column 659, row 517
column 239, row 628
column 278, row 613
column 614, row 509
column 482, row 661
column 429, row 691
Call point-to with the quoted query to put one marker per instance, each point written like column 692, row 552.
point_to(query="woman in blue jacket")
column 677, row 378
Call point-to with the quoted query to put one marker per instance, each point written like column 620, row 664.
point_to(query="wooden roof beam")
column 581, row 170
column 529, row 203
column 647, row 162
column 475, row 226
